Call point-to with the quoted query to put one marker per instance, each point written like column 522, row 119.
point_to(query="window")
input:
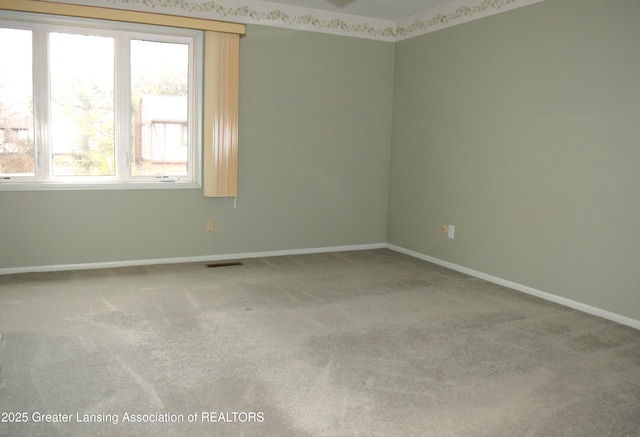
column 96, row 156
column 87, row 102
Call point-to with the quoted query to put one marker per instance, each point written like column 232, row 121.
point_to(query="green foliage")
column 169, row 81
column 16, row 154
column 90, row 107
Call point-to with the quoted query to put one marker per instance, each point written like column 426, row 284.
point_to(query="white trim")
column 203, row 258
column 623, row 320
column 125, row 185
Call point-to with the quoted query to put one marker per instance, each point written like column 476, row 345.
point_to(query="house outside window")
column 162, row 143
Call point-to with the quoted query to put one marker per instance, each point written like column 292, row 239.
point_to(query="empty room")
column 320, row 218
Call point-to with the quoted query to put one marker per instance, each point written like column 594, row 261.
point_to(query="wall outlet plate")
column 451, row 231
column 210, row 225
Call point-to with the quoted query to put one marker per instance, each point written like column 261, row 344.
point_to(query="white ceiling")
column 393, row 10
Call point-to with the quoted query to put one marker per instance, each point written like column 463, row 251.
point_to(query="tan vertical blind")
column 222, row 59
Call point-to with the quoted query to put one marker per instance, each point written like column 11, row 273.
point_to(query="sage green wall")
column 315, row 132
column 523, row 130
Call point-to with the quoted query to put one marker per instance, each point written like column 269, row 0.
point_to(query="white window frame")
column 41, row 25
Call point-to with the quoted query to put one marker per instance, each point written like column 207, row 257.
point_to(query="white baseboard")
column 523, row 288
column 235, row 256
column 203, row 258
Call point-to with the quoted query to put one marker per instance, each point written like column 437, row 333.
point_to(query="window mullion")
column 42, row 102
column 123, row 106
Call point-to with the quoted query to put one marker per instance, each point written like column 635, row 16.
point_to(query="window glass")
column 82, row 105
column 159, row 98
column 17, row 157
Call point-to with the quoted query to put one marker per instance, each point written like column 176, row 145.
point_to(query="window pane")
column 16, row 104
column 82, row 105
column 159, row 90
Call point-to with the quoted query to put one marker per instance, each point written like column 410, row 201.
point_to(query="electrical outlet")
column 451, row 231
column 210, row 225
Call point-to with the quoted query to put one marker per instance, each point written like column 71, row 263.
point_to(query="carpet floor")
column 367, row 343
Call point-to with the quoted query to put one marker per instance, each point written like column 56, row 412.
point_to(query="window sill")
column 63, row 186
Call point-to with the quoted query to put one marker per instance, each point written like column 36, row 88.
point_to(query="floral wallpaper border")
column 256, row 12
column 453, row 14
